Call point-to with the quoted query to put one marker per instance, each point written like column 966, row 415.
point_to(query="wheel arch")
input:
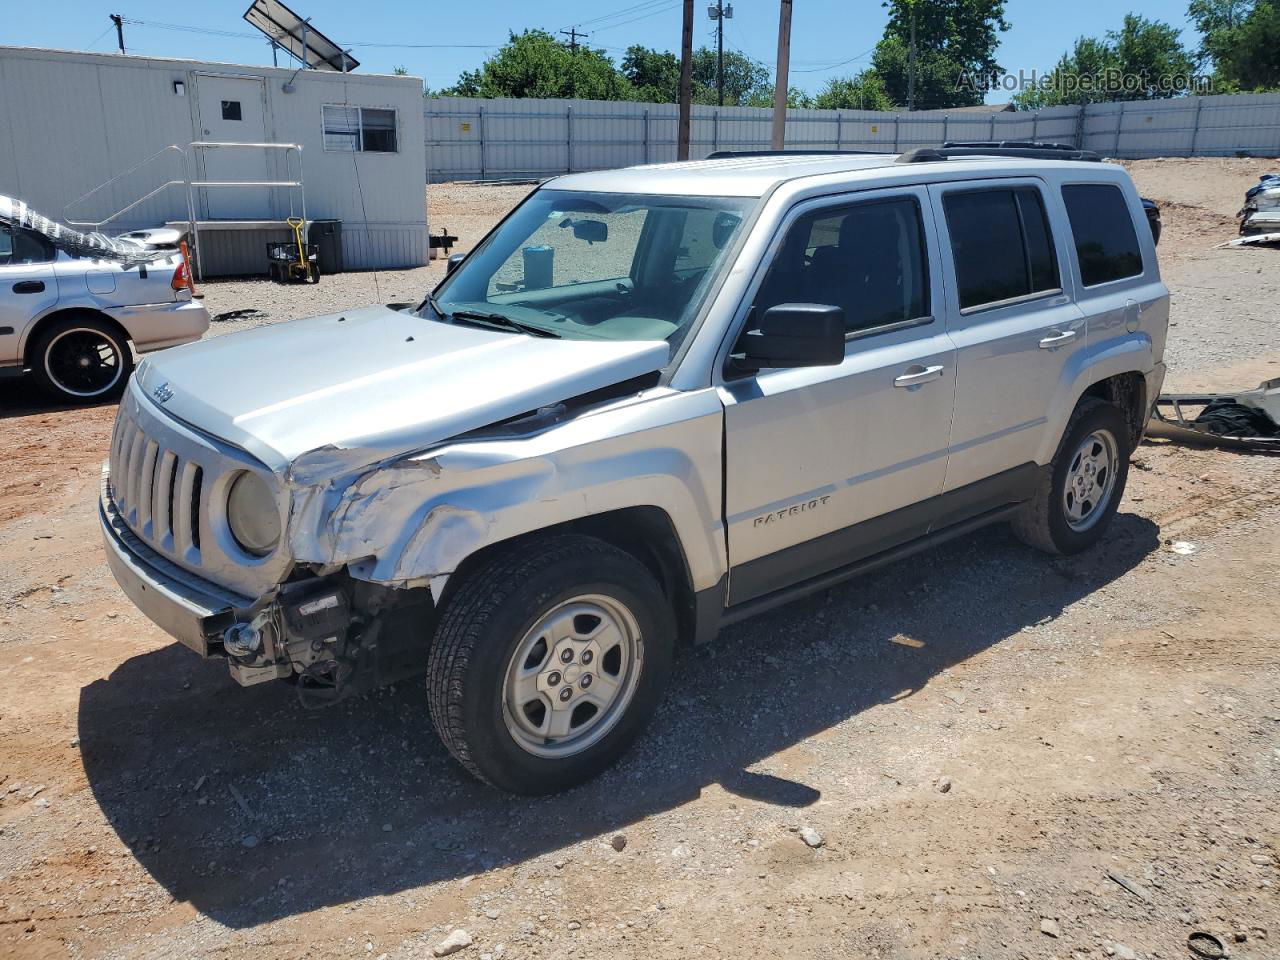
column 34, row 331
column 1117, row 371
column 1128, row 391
column 645, row 532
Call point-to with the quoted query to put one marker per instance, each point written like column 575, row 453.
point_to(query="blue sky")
column 829, row 37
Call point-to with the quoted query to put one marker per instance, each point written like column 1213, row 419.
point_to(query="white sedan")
column 72, row 321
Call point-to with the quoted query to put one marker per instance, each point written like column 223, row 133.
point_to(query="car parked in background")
column 73, row 322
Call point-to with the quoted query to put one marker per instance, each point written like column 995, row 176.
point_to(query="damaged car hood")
column 360, row 386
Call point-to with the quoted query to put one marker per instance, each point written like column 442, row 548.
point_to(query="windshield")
column 597, row 265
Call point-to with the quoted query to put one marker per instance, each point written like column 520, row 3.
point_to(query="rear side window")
column 1106, row 243
column 1001, row 244
column 868, row 259
column 22, row 247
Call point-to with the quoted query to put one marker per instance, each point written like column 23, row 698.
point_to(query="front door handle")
column 29, row 286
column 917, row 374
column 1057, row 339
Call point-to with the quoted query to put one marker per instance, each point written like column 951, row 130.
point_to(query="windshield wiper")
column 500, row 320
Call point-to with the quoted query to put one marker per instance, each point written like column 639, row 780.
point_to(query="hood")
column 377, row 380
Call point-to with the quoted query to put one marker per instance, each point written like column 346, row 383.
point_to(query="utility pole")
column 782, row 79
column 720, row 12
column 911, row 62
column 118, row 20
column 573, row 35
column 686, row 83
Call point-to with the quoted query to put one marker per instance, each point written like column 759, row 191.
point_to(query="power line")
column 643, row 16
column 832, row 66
column 215, row 32
column 619, row 13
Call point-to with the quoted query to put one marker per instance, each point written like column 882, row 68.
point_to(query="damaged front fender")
column 413, row 521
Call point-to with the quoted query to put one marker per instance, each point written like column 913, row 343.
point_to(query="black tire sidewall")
column 504, row 762
column 1103, row 416
column 45, row 341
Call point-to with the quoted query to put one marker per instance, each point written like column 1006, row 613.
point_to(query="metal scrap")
column 1249, row 419
column 1261, row 211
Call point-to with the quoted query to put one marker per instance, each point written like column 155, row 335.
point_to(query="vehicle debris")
column 1206, row 945
column 1253, row 240
column 1136, row 889
column 1261, row 210
column 1248, row 419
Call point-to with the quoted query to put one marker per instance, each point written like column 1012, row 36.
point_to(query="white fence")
column 473, row 139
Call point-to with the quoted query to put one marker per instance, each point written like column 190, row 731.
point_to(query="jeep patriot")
column 650, row 402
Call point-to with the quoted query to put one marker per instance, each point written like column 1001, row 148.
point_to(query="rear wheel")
column 81, row 359
column 1082, row 490
column 548, row 662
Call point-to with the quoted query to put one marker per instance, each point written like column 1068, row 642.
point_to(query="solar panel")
column 298, row 37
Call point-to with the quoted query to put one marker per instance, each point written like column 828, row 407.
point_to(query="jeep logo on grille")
column 162, row 393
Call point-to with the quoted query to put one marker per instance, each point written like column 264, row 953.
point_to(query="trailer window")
column 360, row 129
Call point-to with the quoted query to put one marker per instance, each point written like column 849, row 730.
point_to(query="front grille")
column 156, row 491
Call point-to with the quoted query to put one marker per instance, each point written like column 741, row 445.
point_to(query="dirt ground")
column 1005, row 755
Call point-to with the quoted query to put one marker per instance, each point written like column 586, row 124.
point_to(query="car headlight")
column 252, row 514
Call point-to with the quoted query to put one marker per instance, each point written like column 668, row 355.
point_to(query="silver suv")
column 650, row 403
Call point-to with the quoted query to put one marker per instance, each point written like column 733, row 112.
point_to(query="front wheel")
column 548, row 662
column 1079, row 494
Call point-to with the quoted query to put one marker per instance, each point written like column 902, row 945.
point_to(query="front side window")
column 868, row 259
column 1001, row 244
column 1106, row 243
column 360, row 129
column 597, row 265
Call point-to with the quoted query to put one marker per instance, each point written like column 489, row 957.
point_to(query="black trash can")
column 327, row 235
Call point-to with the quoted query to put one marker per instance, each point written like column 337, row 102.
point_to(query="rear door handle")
column 1057, row 339
column 29, row 286
column 917, row 374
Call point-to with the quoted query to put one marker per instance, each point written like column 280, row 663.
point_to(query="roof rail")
column 728, row 154
column 1028, row 149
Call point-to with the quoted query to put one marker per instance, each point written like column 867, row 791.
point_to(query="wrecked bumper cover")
column 192, row 610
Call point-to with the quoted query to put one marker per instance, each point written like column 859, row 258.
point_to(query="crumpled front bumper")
column 188, row 608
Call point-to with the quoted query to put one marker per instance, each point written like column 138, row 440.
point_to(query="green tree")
column 1250, row 61
column 956, row 41
column 1217, row 21
column 654, row 75
column 865, row 91
column 744, row 78
column 763, row 97
column 535, row 64
column 1143, row 60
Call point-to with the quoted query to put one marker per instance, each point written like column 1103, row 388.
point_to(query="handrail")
column 124, row 173
column 191, row 185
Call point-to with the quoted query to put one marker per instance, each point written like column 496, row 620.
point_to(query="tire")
column 490, row 690
column 1047, row 521
column 81, row 359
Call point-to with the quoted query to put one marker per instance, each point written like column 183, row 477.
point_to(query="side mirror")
column 795, row 335
column 452, row 263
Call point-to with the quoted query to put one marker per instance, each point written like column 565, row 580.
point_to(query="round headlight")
column 252, row 514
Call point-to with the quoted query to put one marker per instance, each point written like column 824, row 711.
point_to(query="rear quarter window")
column 1102, row 227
